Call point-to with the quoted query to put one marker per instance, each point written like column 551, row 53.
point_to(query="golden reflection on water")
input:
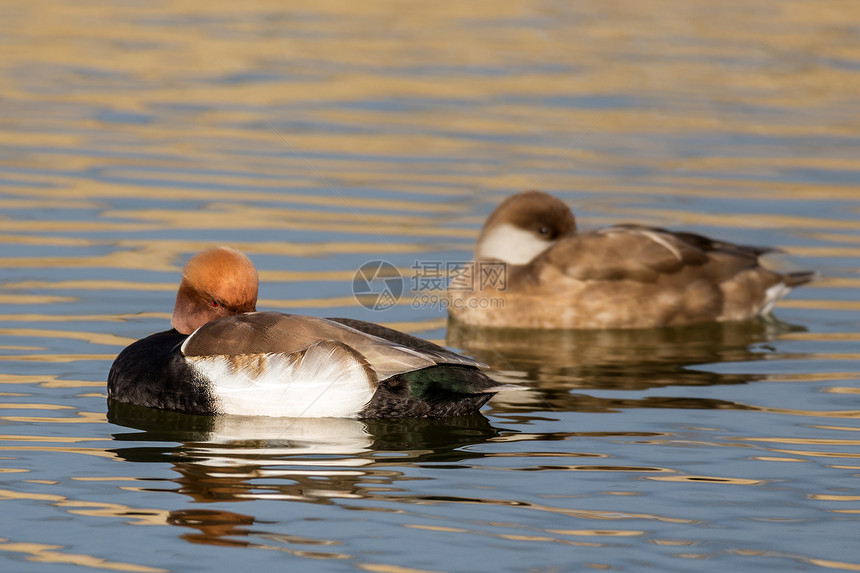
column 48, row 381
column 79, row 418
column 224, row 466
column 709, row 479
column 56, row 449
column 132, row 516
column 841, row 565
column 91, row 337
column 57, row 358
column 137, row 135
column 43, row 553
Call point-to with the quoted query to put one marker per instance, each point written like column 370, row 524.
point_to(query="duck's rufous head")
column 215, row 283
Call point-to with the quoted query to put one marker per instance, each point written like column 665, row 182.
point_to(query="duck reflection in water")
column 317, row 460
column 555, row 362
column 214, row 527
column 322, row 461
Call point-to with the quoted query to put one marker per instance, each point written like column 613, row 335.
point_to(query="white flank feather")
column 324, row 381
column 772, row 295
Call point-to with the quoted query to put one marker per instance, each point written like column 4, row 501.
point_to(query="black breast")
column 152, row 372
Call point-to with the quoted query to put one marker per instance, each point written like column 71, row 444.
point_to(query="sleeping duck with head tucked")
column 223, row 357
column 624, row 276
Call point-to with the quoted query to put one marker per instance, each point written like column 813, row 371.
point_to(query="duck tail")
column 794, row 279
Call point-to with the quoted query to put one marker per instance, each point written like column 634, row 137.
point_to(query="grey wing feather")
column 633, row 252
column 616, row 254
column 440, row 354
column 275, row 332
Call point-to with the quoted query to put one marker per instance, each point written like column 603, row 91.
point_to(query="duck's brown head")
column 215, row 283
column 523, row 226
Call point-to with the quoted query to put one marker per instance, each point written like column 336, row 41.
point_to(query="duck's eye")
column 215, row 304
column 543, row 230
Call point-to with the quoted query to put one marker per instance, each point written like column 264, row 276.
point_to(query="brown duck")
column 624, row 276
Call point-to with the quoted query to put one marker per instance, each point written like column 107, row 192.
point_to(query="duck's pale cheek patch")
column 314, row 384
column 511, row 245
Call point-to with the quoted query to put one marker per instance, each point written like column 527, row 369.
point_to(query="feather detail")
column 287, row 334
column 327, row 380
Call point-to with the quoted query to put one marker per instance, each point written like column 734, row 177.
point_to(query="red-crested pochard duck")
column 223, row 357
column 625, row 276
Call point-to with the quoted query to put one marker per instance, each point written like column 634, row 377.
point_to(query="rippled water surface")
column 319, row 136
